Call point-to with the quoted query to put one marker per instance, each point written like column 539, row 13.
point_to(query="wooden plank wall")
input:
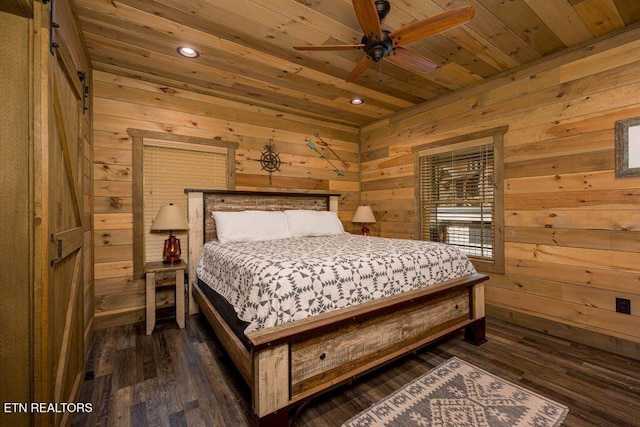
column 572, row 231
column 121, row 103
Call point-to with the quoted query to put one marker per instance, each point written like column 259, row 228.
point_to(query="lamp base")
column 364, row 230
column 172, row 250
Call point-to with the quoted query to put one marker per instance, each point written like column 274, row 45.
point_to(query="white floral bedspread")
column 277, row 281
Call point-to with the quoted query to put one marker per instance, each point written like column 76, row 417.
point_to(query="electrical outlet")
column 623, row 305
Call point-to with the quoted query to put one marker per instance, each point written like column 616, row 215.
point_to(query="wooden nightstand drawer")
column 160, row 275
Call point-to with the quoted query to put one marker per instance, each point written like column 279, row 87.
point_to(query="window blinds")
column 457, row 198
column 167, row 172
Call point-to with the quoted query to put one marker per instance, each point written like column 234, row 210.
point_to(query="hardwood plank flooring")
column 182, row 377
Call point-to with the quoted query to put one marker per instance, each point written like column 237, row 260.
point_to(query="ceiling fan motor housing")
column 376, row 48
column 382, row 7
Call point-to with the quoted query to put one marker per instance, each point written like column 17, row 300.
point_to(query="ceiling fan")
column 378, row 43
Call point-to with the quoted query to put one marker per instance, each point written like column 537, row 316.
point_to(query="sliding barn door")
column 63, row 333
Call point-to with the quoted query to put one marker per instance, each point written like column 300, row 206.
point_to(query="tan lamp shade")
column 364, row 215
column 169, row 217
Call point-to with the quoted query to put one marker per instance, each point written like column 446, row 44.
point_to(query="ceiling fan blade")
column 433, row 25
column 411, row 60
column 360, row 68
column 367, row 15
column 330, row 47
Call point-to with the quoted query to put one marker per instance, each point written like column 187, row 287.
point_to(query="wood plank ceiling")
column 246, row 47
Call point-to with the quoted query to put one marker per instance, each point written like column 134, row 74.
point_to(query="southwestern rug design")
column 458, row 394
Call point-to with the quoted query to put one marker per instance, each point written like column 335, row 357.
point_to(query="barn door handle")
column 54, row 239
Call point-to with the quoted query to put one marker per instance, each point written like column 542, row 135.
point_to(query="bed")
column 286, row 363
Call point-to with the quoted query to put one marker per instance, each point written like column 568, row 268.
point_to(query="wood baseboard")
column 578, row 335
column 119, row 317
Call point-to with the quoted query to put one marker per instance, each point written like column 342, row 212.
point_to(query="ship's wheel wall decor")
column 270, row 160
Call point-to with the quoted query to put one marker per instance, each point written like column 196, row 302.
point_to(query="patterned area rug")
column 457, row 394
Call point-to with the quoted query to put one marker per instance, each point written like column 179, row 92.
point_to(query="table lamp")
column 364, row 215
column 170, row 218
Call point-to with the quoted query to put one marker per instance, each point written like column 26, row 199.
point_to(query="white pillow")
column 313, row 223
column 251, row 226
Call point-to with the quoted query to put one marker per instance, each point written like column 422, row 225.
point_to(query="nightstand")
column 151, row 270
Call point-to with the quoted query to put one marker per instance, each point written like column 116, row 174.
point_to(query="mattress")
column 273, row 282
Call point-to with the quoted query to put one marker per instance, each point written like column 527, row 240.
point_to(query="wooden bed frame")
column 289, row 364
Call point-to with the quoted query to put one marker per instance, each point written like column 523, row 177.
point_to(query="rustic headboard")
column 201, row 204
column 241, row 201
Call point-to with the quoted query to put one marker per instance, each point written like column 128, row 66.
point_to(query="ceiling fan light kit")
column 378, row 43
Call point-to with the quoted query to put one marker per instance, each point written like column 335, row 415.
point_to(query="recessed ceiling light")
column 188, row 52
column 356, row 101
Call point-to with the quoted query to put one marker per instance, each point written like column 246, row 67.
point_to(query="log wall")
column 121, row 103
column 572, row 230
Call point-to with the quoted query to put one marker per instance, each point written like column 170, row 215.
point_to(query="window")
column 461, row 200
column 166, row 164
column 167, row 172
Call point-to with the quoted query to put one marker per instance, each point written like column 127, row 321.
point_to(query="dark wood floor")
column 182, row 377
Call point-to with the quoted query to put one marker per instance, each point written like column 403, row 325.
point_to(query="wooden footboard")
column 289, row 364
column 337, row 353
